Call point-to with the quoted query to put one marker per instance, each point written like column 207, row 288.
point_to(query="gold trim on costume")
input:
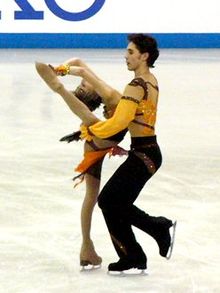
column 130, row 99
column 119, row 244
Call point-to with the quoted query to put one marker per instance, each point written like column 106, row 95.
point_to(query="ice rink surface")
column 40, row 210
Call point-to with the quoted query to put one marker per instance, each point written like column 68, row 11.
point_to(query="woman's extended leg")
column 75, row 105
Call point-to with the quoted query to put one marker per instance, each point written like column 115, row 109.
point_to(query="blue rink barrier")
column 105, row 40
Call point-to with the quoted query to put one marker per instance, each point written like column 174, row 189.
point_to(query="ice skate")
column 47, row 73
column 129, row 266
column 89, row 260
column 161, row 233
column 164, row 239
column 87, row 265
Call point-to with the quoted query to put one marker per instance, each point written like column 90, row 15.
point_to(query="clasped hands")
column 65, row 69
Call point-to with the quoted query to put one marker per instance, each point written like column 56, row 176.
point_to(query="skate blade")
column 170, row 251
column 128, row 273
column 88, row 266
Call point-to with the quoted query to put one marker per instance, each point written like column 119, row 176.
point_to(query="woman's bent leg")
column 88, row 254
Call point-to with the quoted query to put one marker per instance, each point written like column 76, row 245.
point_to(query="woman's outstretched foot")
column 89, row 258
column 47, row 73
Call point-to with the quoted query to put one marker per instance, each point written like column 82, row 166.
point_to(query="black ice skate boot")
column 127, row 263
column 158, row 228
column 137, row 260
column 162, row 235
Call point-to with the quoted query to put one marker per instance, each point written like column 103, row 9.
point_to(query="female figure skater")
column 94, row 150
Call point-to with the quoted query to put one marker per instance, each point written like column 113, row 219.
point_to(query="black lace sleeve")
column 140, row 82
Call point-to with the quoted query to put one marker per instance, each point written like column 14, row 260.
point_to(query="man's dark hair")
column 145, row 43
column 91, row 99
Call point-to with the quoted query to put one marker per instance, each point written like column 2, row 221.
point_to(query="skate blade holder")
column 128, row 273
column 170, row 251
column 89, row 267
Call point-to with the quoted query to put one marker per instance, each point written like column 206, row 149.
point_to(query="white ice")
column 40, row 210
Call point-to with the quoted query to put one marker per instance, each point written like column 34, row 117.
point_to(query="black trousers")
column 118, row 195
